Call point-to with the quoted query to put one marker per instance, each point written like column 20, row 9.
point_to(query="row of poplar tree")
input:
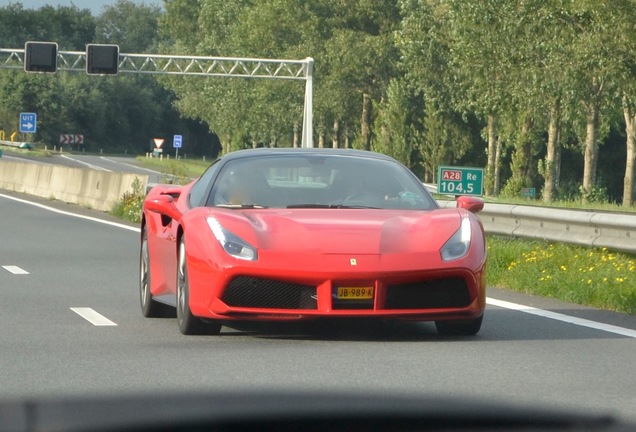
column 541, row 93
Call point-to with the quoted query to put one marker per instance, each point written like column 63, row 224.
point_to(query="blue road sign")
column 28, row 122
column 177, row 141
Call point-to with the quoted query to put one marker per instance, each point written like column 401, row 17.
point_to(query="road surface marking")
column 130, row 165
column 95, row 167
column 93, row 317
column 102, row 221
column 564, row 318
column 15, row 270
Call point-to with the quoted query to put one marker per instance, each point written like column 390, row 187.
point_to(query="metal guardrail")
column 610, row 230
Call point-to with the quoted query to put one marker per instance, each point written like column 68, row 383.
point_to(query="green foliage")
column 352, row 45
column 396, row 126
column 433, row 73
column 134, row 27
column 597, row 194
column 70, row 27
column 131, row 205
column 114, row 114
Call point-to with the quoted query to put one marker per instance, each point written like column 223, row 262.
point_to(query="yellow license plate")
column 355, row 293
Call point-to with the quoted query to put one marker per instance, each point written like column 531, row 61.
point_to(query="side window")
column 199, row 190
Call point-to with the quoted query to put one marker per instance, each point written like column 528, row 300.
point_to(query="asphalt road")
column 70, row 324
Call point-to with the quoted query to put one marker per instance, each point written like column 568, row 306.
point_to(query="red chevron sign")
column 71, row 139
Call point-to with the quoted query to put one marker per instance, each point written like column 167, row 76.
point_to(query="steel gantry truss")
column 160, row 64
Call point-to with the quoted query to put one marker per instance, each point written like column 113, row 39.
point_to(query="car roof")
column 245, row 153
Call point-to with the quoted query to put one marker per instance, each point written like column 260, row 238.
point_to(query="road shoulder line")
column 582, row 322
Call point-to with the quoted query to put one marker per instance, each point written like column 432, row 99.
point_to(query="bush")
column 131, row 204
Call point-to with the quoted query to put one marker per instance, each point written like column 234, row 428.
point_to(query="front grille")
column 252, row 292
column 443, row 293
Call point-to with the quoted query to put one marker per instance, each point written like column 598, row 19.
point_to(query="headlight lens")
column 231, row 243
column 457, row 246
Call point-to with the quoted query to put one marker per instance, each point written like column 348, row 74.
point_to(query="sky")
column 95, row 6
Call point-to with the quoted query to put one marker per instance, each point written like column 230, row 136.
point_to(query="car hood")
column 343, row 231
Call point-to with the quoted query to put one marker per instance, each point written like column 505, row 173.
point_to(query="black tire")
column 150, row 308
column 188, row 323
column 459, row 328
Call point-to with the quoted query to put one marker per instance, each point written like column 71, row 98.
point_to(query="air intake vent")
column 443, row 293
column 254, row 292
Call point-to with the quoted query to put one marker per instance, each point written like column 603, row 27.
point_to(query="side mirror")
column 470, row 203
column 164, row 205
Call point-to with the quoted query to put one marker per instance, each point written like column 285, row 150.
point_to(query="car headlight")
column 457, row 246
column 231, row 243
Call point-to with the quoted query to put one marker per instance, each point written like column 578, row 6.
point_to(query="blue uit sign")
column 28, row 122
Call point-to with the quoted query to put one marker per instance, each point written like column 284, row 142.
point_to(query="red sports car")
column 290, row 234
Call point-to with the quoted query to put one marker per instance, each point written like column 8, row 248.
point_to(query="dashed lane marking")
column 95, row 167
column 15, row 270
column 93, row 317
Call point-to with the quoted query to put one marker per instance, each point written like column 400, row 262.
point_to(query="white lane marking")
column 15, row 270
column 564, row 318
column 130, row 165
column 93, row 317
column 102, row 221
column 87, row 164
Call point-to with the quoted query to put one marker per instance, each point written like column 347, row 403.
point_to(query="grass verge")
column 183, row 169
column 594, row 277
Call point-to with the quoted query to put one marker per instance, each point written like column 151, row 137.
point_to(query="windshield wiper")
column 242, row 206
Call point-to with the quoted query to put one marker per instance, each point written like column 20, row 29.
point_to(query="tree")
column 70, row 27
column 425, row 39
column 132, row 26
column 398, row 127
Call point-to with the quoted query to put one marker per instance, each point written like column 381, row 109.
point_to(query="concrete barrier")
column 89, row 188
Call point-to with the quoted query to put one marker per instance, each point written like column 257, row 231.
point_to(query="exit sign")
column 460, row 181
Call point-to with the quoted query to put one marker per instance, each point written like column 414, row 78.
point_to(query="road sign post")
column 177, row 142
column 28, row 122
column 460, row 181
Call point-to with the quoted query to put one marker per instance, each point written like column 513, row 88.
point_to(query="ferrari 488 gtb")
column 291, row 234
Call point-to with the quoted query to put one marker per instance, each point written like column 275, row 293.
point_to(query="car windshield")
column 310, row 180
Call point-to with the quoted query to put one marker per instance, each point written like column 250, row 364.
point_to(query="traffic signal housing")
column 102, row 59
column 40, row 56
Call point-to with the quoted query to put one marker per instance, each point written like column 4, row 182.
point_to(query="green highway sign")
column 529, row 192
column 460, row 181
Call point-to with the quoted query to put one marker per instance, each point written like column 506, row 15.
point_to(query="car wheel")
column 459, row 328
column 150, row 308
column 188, row 323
